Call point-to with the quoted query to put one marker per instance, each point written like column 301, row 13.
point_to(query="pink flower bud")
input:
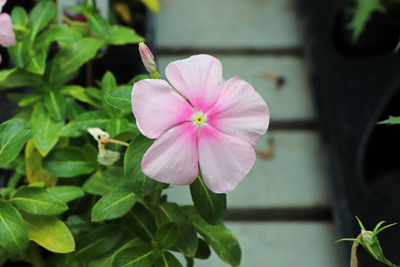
column 7, row 36
column 147, row 58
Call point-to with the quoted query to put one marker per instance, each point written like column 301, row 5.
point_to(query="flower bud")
column 147, row 58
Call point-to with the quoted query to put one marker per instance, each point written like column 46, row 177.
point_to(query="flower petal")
column 173, row 157
column 158, row 108
column 224, row 160
column 7, row 36
column 240, row 111
column 198, row 78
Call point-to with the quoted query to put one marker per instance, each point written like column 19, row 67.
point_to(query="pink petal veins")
column 7, row 36
column 240, row 111
column 224, row 160
column 173, row 157
column 157, row 107
column 198, row 78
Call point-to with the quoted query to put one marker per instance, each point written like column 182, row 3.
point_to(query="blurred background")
column 329, row 73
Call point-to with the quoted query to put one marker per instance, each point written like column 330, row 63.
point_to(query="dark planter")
column 355, row 85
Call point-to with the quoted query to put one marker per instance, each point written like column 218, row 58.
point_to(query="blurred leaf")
column 66, row 193
column 57, row 33
column 30, row 100
column 74, row 109
column 20, row 53
column 393, row 120
column 112, row 205
column 120, row 35
column 397, row 49
column 168, row 260
column 79, row 93
column 137, row 256
column 46, row 130
column 102, row 182
column 67, row 162
column 141, row 222
column 50, row 233
column 37, row 62
column 5, row 73
column 14, row 134
column 211, row 206
column 108, row 82
column 98, row 24
column 362, row 13
column 220, row 238
column 167, row 235
column 18, row 78
column 98, row 242
column 34, row 170
column 36, row 200
column 3, row 256
column 72, row 56
column 55, row 104
column 14, row 236
column 40, row 16
column 120, row 98
column 139, row 183
column 83, row 122
column 153, row 5
column 19, row 16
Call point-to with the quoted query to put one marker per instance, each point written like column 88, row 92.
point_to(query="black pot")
column 355, row 85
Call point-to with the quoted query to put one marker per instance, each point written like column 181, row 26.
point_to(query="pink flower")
column 206, row 122
column 7, row 36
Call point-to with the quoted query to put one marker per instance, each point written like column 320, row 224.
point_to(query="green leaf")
column 113, row 205
column 72, row 56
column 168, row 260
column 36, row 200
column 98, row 242
column 211, row 206
column 19, row 16
column 393, row 120
column 13, row 136
column 74, row 109
column 85, row 121
column 66, row 193
column 40, row 16
column 120, row 35
column 18, row 78
column 203, row 250
column 37, row 62
column 120, row 125
column 120, row 98
column 141, row 222
column 397, row 49
column 3, row 256
column 362, row 13
column 102, row 182
column 50, row 233
column 108, row 82
column 220, row 238
column 57, row 33
column 55, row 104
column 153, row 5
column 139, row 183
column 14, row 236
column 98, row 24
column 138, row 256
column 167, row 235
column 6, row 72
column 20, row 53
column 46, row 130
column 67, row 162
column 188, row 241
column 79, row 93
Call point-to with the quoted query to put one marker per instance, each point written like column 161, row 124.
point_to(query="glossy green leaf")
column 98, row 242
column 120, row 98
column 36, row 200
column 85, row 121
column 66, row 193
column 40, row 16
column 141, row 222
column 108, row 82
column 19, row 16
column 57, row 33
column 120, row 125
column 102, row 182
column 220, row 238
column 211, row 206
column 167, row 235
column 13, row 136
column 392, row 120
column 46, row 130
column 112, row 205
column 139, row 183
column 72, row 56
column 203, row 250
column 120, row 35
column 74, row 109
column 138, row 256
column 6, row 72
column 168, row 260
column 50, row 233
column 13, row 233
column 67, row 162
column 55, row 104
column 79, row 93
column 37, row 62
column 18, row 78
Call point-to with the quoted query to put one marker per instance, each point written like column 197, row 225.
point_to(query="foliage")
column 61, row 196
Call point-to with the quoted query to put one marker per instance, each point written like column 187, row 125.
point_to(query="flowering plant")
column 87, row 180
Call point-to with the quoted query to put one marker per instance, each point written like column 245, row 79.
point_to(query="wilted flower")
column 206, row 121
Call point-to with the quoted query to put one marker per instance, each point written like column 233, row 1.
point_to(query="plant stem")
column 113, row 141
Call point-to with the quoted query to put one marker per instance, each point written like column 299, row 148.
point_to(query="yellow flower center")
column 199, row 119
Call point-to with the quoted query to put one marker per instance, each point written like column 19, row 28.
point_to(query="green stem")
column 14, row 180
